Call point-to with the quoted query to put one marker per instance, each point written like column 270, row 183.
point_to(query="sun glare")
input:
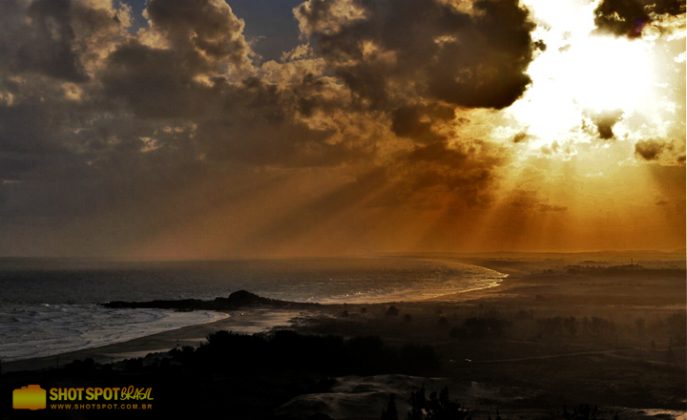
column 581, row 75
column 607, row 74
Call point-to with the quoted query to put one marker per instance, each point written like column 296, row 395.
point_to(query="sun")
column 604, row 73
column 582, row 75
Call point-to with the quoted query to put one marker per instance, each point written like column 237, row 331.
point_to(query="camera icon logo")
column 29, row 397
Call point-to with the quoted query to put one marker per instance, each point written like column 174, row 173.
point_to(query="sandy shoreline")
column 245, row 321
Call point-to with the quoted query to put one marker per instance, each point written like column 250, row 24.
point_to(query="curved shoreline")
column 493, row 282
column 499, row 277
column 149, row 329
column 248, row 303
column 248, row 322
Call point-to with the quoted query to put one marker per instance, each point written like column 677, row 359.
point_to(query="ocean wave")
column 44, row 330
column 38, row 318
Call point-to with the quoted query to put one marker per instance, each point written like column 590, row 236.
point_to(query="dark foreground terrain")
column 561, row 338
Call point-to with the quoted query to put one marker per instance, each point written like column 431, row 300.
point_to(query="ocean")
column 53, row 306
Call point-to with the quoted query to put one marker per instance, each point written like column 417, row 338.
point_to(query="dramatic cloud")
column 59, row 38
column 399, row 50
column 650, row 149
column 122, row 128
column 629, row 17
column 605, row 122
column 422, row 65
column 204, row 27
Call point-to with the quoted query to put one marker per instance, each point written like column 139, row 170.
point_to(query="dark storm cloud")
column 57, row 38
column 255, row 124
column 95, row 116
column 629, row 17
column 605, row 122
column 157, row 83
column 650, row 149
column 193, row 64
column 236, row 115
column 421, row 64
column 208, row 27
column 202, row 42
column 417, row 121
column 521, row 137
column 431, row 49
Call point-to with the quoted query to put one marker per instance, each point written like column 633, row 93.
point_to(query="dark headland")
column 241, row 299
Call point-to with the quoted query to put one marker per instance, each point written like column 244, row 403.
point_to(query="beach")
column 561, row 331
column 54, row 306
column 245, row 322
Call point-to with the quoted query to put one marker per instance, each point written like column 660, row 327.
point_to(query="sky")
column 205, row 129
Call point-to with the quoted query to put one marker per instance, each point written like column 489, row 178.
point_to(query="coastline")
column 477, row 292
column 585, row 323
column 245, row 321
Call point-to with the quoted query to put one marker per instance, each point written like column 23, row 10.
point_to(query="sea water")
column 54, row 306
